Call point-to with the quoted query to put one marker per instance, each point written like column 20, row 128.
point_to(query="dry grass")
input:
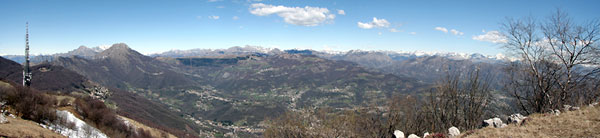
column 581, row 124
column 153, row 131
column 19, row 128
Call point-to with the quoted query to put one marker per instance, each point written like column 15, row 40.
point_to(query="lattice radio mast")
column 26, row 71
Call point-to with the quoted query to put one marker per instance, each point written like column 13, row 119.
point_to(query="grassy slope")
column 153, row 131
column 580, row 123
column 20, row 128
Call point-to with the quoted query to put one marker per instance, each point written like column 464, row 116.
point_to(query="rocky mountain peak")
column 119, row 50
column 82, row 47
column 118, row 47
column 81, row 51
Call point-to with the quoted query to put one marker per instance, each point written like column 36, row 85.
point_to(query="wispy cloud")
column 491, row 36
column 214, row 17
column 443, row 29
column 413, row 33
column 304, row 16
column 235, row 18
column 452, row 31
column 376, row 23
column 456, row 32
column 341, row 12
column 394, row 30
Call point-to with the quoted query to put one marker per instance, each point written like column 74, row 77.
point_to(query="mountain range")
column 224, row 89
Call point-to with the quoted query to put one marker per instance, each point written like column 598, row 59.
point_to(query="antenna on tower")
column 26, row 71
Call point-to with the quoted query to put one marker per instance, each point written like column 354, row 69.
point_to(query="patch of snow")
column 80, row 130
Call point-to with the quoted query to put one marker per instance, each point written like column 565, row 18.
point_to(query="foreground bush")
column 29, row 103
column 105, row 119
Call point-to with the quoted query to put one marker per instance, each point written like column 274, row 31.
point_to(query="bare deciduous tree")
column 557, row 59
column 460, row 99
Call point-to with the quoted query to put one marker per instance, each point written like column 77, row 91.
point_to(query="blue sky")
column 157, row 26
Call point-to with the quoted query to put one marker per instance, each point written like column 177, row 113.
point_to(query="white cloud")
column 341, row 12
column 395, row 30
column 491, row 36
column 306, row 16
column 214, row 0
column 220, row 7
column 214, row 17
column 456, row 32
column 379, row 33
column 445, row 30
column 441, row 29
column 235, row 18
column 413, row 33
column 376, row 23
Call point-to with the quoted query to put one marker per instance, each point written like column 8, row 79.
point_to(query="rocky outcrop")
column 413, row 136
column 98, row 92
column 399, row 134
column 453, row 132
column 493, row 122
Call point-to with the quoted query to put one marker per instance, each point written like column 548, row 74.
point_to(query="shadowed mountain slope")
column 121, row 67
column 53, row 78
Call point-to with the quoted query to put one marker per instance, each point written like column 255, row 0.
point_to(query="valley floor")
column 578, row 123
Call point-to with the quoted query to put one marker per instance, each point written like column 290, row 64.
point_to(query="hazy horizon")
column 154, row 27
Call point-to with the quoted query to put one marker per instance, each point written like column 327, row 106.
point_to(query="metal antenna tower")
column 26, row 71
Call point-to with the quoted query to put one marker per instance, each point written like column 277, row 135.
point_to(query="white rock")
column 566, row 107
column 426, row 134
column 11, row 115
column 503, row 125
column 488, row 123
column 574, row 108
column 516, row 118
column 556, row 112
column 3, row 119
column 497, row 122
column 413, row 136
column 399, row 134
column 570, row 108
column 493, row 122
column 593, row 104
column 453, row 132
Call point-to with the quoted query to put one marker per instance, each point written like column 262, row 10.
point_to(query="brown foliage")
column 459, row 100
column 105, row 119
column 30, row 103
